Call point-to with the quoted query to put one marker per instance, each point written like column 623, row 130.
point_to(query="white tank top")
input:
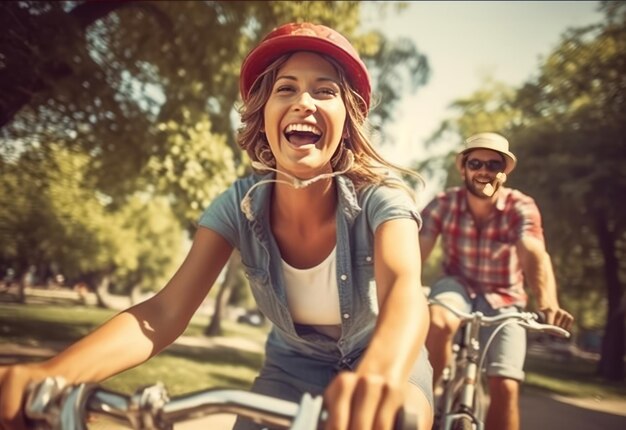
column 313, row 295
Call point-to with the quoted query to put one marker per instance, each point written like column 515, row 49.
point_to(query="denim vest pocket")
column 259, row 282
column 365, row 282
column 266, row 299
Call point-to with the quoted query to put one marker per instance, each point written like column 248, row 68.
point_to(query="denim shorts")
column 507, row 351
column 275, row 381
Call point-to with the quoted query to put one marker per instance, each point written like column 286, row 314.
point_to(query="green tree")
column 52, row 218
column 574, row 137
column 157, row 239
column 197, row 166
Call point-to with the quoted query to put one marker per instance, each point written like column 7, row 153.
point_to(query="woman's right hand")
column 14, row 381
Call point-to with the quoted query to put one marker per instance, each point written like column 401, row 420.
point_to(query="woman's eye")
column 284, row 88
column 327, row 91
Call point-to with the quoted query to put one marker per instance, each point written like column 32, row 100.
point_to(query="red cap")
column 306, row 37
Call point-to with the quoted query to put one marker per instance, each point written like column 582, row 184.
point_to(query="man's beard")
column 473, row 189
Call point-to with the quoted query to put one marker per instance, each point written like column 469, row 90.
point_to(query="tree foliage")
column 574, row 137
column 55, row 222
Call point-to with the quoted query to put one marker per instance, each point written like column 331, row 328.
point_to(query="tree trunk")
column 215, row 325
column 21, row 289
column 102, row 291
column 611, row 365
column 21, row 292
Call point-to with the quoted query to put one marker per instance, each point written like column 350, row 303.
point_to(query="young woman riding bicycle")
column 329, row 239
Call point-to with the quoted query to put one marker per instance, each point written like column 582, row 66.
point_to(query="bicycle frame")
column 461, row 380
column 457, row 408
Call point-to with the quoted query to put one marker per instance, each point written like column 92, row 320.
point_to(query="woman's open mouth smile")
column 300, row 135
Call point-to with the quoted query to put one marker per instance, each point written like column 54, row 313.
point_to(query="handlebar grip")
column 552, row 330
column 541, row 317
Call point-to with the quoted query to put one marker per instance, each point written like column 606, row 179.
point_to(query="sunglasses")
column 491, row 165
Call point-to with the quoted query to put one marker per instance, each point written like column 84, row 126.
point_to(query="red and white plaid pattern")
column 484, row 258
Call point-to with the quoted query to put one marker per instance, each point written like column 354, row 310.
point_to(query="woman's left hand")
column 362, row 401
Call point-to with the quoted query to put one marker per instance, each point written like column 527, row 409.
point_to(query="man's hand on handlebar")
column 558, row 317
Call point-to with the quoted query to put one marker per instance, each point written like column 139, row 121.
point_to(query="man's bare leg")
column 503, row 412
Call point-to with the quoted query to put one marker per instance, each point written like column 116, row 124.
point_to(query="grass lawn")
column 185, row 368
column 574, row 377
column 181, row 368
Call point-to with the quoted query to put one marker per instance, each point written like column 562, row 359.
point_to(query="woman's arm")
column 377, row 388
column 426, row 246
column 129, row 338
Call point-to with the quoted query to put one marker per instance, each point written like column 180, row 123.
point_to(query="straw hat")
column 492, row 141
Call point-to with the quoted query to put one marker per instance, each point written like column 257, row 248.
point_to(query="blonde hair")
column 368, row 167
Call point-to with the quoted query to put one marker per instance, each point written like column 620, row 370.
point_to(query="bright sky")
column 466, row 41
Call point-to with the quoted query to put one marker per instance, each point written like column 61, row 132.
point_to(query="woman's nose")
column 305, row 102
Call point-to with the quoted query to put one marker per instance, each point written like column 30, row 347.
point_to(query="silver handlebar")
column 53, row 404
column 528, row 320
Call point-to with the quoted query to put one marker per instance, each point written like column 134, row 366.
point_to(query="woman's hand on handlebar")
column 14, row 381
column 355, row 401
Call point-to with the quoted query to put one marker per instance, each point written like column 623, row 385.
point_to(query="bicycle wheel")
column 462, row 423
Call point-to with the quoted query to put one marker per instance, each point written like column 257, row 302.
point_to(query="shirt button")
column 368, row 258
column 344, row 277
column 346, row 316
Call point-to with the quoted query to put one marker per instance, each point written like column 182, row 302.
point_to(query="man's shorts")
column 507, row 351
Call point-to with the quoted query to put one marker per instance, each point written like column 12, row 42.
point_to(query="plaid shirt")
column 484, row 259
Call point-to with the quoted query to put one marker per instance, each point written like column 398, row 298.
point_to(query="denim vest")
column 358, row 215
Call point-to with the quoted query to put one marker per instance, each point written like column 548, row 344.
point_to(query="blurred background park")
column 117, row 128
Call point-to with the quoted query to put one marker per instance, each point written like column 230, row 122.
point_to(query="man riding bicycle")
column 493, row 243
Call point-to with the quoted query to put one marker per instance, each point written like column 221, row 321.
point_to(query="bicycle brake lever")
column 42, row 400
column 72, row 413
column 549, row 328
column 309, row 413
